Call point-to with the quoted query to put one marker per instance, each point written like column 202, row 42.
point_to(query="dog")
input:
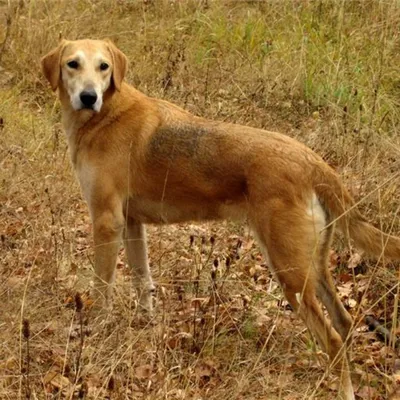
column 143, row 160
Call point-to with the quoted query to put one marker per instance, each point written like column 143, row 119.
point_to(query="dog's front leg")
column 136, row 251
column 108, row 226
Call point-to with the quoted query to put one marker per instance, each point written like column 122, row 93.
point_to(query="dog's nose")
column 88, row 98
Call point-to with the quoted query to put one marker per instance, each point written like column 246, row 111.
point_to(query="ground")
column 324, row 72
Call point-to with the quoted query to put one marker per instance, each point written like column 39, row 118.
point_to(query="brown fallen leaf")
column 143, row 371
column 55, row 380
column 10, row 364
column 395, row 395
column 94, row 386
column 344, row 278
column 204, row 371
column 354, row 261
column 345, row 290
column 367, row 393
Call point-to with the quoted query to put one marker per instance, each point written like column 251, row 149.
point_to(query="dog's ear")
column 120, row 64
column 51, row 65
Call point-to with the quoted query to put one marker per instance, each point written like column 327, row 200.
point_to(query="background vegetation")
column 325, row 72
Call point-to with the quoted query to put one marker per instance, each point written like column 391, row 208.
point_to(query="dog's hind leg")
column 288, row 233
column 136, row 251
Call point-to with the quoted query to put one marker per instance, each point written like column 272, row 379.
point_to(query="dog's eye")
column 73, row 64
column 104, row 66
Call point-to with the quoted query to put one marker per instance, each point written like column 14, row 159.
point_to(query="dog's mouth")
column 93, row 108
column 86, row 107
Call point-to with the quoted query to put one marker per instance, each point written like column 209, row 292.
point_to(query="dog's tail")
column 341, row 207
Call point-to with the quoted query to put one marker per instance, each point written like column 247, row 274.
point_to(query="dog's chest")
column 86, row 176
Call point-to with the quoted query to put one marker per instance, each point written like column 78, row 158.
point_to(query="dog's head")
column 85, row 69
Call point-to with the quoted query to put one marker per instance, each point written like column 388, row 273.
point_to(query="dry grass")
column 326, row 72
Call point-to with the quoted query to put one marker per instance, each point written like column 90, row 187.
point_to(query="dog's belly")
column 159, row 212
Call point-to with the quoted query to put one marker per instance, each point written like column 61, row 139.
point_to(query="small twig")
column 79, row 307
column 214, row 293
column 53, row 222
column 26, row 334
column 110, row 386
column 196, row 284
column 212, row 241
column 6, row 37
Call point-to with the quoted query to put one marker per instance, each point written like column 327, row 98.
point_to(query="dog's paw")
column 145, row 303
